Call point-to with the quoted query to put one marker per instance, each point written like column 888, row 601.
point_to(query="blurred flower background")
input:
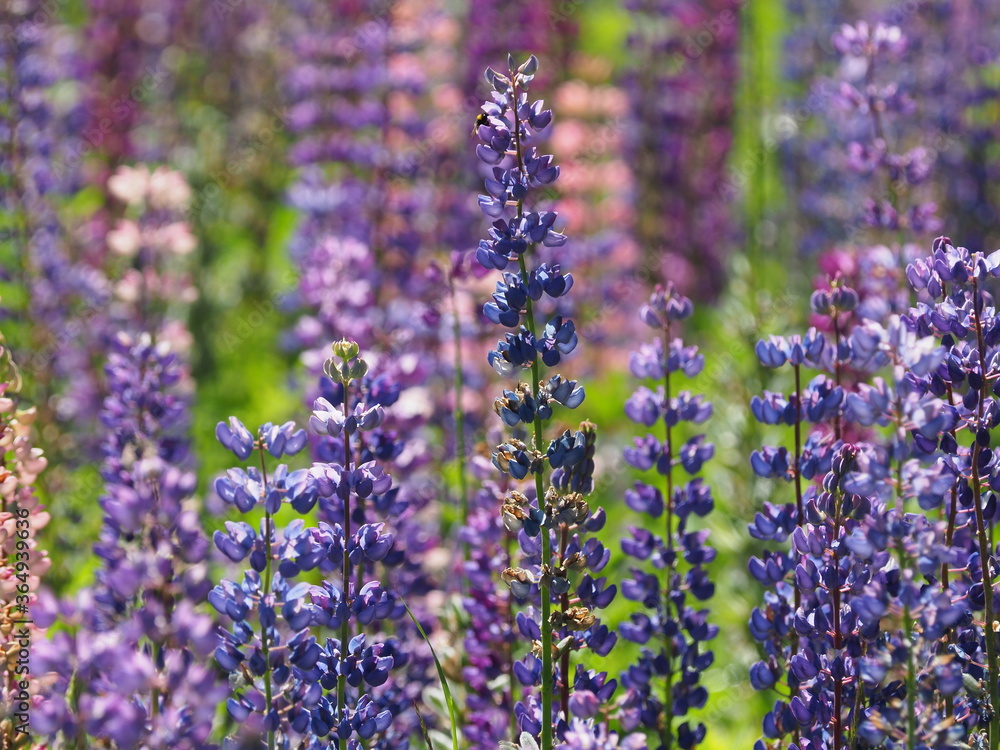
column 199, row 198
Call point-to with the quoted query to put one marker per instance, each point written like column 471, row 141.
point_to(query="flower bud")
column 346, row 349
column 357, row 368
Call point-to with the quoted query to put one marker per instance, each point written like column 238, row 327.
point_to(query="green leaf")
column 452, row 712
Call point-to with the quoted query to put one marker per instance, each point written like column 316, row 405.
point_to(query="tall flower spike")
column 140, row 643
column 41, row 164
column 291, row 685
column 672, row 628
column 355, row 425
column 22, row 562
column 357, row 88
column 874, row 191
column 956, row 310
column 489, row 644
column 682, row 92
column 551, row 526
column 151, row 577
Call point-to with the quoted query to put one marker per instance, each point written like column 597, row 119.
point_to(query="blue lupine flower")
column 664, row 600
column 507, row 131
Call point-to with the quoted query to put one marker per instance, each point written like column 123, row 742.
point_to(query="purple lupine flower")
column 681, row 137
column 873, row 589
column 44, row 135
column 552, row 525
column 294, row 687
column 489, row 642
column 947, row 87
column 669, row 604
column 952, row 89
column 361, row 270
column 150, row 581
column 356, row 90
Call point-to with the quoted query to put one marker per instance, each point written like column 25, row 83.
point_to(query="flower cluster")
column 67, row 292
column 290, row 685
column 22, row 561
column 871, row 620
column 150, row 524
column 148, row 243
column 132, row 669
column 955, row 89
column 943, row 124
column 876, row 147
column 360, row 409
column 360, row 251
column 551, row 526
column 805, row 617
column 418, row 528
column 671, row 626
column 490, row 638
column 353, row 90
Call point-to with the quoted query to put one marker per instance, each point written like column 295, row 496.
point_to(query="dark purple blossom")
column 669, row 627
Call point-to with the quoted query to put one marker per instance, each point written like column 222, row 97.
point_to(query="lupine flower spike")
column 550, row 525
column 672, row 628
column 290, row 687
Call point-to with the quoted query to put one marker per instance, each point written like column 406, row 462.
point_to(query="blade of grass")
column 423, row 726
column 452, row 712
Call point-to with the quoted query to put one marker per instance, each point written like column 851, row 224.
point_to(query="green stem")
column 74, row 702
column 265, row 645
column 837, row 370
column 547, row 682
column 463, row 485
column 543, row 586
column 800, row 515
column 859, row 700
column 911, row 664
column 949, row 537
column 911, row 683
column 838, row 642
column 985, row 551
column 563, row 606
column 667, row 728
column 346, row 573
column 154, row 698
